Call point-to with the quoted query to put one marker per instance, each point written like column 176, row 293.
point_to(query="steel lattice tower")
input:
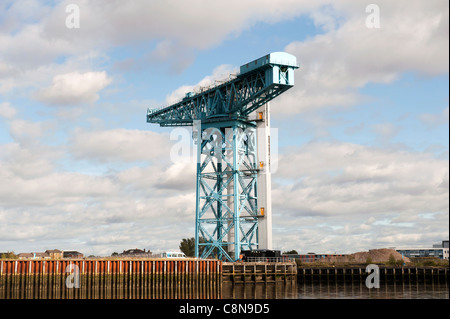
column 225, row 133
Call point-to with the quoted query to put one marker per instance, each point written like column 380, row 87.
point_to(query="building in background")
column 72, row 254
column 54, row 253
column 50, row 254
column 25, row 256
column 438, row 250
column 34, row 255
column 136, row 253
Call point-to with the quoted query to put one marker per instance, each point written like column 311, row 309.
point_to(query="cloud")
column 34, row 34
column 74, row 88
column 336, row 63
column 101, row 190
column 220, row 73
column 168, row 51
column 29, row 168
column 7, row 111
column 14, row 13
column 47, row 187
column 37, row 47
column 324, row 187
column 348, row 56
column 434, row 120
column 164, row 33
column 123, row 22
column 45, row 198
column 26, row 131
column 119, row 145
column 385, row 131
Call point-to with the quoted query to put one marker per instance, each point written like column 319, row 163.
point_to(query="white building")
column 438, row 250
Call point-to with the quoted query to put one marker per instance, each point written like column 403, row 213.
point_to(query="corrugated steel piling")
column 110, row 279
column 359, row 274
column 259, row 279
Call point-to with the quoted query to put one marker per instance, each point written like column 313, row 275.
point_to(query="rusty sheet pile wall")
column 110, row 279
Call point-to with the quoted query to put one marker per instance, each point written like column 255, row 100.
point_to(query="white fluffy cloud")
column 119, row 145
column 220, row 73
column 123, row 22
column 349, row 55
column 44, row 202
column 33, row 35
column 74, row 88
column 371, row 193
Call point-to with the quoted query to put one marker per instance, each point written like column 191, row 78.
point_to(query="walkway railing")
column 267, row 259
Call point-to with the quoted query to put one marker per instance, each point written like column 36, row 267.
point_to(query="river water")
column 424, row 290
column 386, row 291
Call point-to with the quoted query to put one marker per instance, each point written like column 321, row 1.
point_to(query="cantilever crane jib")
column 259, row 82
column 227, row 218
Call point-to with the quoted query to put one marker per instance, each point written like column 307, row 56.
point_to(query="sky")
column 363, row 136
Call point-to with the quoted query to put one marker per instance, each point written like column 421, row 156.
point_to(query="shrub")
column 391, row 261
column 399, row 262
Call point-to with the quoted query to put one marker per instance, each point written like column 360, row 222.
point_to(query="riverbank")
column 381, row 257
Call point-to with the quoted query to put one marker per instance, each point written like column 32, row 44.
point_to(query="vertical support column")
column 219, row 207
column 237, row 246
column 197, row 133
column 264, row 177
column 226, row 203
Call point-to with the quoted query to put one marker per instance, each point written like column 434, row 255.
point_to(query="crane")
column 231, row 130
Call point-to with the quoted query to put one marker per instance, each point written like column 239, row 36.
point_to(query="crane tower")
column 231, row 130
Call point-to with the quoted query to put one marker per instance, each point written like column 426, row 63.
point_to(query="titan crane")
column 231, row 130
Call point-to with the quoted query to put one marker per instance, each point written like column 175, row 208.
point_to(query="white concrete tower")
column 264, row 185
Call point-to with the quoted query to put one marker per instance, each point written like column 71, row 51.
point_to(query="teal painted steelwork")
column 234, row 99
column 226, row 218
column 226, row 209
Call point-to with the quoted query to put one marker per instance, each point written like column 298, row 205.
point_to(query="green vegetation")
column 8, row 255
column 393, row 262
column 187, row 246
column 415, row 262
column 428, row 262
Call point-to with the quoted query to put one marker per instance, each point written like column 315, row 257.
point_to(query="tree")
column 187, row 246
column 293, row 252
column 8, row 255
column 391, row 260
